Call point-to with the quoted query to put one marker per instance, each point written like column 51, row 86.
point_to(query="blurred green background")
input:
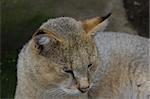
column 21, row 18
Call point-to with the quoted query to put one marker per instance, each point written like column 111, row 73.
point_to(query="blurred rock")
column 138, row 15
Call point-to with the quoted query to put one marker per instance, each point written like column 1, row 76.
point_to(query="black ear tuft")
column 105, row 17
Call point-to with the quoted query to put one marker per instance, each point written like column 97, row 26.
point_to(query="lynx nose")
column 83, row 85
column 84, row 89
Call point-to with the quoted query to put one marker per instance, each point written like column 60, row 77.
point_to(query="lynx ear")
column 92, row 25
column 43, row 38
column 48, row 33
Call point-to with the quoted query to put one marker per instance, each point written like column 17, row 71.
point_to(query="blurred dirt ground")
column 21, row 18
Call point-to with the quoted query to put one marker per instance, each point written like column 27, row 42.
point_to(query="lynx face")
column 66, row 63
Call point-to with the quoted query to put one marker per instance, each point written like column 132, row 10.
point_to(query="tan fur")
column 64, row 44
column 90, row 24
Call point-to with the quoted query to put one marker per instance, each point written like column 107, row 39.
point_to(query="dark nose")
column 84, row 89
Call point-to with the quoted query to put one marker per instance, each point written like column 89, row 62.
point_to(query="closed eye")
column 90, row 65
column 69, row 71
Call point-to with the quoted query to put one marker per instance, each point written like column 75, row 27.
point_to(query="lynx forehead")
column 63, row 26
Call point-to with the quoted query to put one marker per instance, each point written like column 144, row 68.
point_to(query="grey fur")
column 132, row 54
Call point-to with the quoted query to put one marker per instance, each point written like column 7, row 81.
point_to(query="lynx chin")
column 70, row 59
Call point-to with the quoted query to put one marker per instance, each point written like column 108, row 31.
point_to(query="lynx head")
column 64, row 54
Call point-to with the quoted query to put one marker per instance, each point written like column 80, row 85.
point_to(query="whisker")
column 62, row 95
column 53, row 92
column 59, row 93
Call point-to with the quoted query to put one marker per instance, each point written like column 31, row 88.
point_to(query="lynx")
column 70, row 59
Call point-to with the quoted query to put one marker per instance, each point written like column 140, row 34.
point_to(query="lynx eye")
column 90, row 65
column 67, row 70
